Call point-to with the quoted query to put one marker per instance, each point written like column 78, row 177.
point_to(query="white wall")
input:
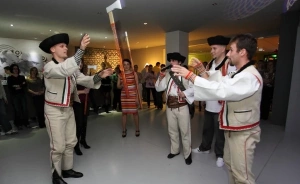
column 29, row 54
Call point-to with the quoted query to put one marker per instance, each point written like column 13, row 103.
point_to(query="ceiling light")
column 50, row 30
column 260, row 37
column 11, row 25
column 145, row 23
column 35, row 38
column 103, row 46
column 105, row 37
column 81, row 34
column 137, row 42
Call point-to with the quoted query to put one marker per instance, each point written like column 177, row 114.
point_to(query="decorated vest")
column 244, row 114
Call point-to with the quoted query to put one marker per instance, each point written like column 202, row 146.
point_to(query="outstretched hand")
column 106, row 72
column 180, row 71
column 85, row 41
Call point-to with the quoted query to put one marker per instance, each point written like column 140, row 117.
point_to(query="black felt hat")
column 53, row 40
column 218, row 40
column 175, row 56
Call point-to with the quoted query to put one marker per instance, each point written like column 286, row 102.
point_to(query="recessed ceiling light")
column 35, row 38
column 261, row 37
column 11, row 25
column 81, row 34
column 146, row 46
column 50, row 30
column 145, row 23
column 105, row 37
column 103, row 46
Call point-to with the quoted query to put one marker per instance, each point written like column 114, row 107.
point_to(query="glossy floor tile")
column 24, row 158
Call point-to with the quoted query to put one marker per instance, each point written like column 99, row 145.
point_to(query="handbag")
column 182, row 88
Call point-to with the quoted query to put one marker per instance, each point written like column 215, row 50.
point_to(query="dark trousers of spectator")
column 153, row 91
column 20, row 110
column 117, row 99
column 81, row 121
column 39, row 102
column 159, row 99
column 266, row 99
column 92, row 99
column 210, row 128
column 144, row 92
column 4, row 122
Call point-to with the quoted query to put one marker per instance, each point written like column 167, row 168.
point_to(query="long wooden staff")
column 135, row 76
column 117, row 5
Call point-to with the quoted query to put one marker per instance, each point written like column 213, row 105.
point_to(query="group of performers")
column 230, row 84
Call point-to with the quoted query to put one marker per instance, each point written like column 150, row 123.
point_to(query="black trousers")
column 38, row 102
column 153, row 91
column 20, row 110
column 159, row 99
column 117, row 99
column 81, row 121
column 211, row 127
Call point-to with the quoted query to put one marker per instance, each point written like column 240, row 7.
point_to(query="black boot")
column 56, row 179
column 77, row 149
column 71, row 174
column 84, row 144
column 172, row 155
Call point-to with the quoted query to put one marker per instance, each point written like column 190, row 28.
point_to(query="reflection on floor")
column 24, row 158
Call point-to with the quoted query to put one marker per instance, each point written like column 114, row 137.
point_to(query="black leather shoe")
column 71, row 174
column 56, row 179
column 172, row 155
column 188, row 161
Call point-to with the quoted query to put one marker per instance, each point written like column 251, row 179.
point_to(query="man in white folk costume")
column 211, row 115
column 61, row 75
column 240, row 114
column 179, row 93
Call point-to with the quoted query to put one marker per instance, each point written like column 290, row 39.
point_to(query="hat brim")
column 46, row 44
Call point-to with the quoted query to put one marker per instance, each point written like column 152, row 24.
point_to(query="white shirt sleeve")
column 241, row 86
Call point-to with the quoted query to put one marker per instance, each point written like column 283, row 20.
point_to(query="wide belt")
column 173, row 102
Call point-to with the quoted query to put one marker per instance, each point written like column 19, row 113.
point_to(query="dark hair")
column 247, row 42
column 162, row 65
column 157, row 63
column 31, row 69
column 136, row 66
column 12, row 68
column 7, row 68
column 127, row 60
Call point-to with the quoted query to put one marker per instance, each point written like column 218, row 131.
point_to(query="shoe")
column 124, row 133
column 84, row 144
column 56, row 179
column 188, row 161
column 197, row 150
column 172, row 155
column 77, row 150
column 137, row 133
column 9, row 132
column 220, row 162
column 71, row 174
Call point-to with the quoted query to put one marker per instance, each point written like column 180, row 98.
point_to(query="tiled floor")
column 24, row 158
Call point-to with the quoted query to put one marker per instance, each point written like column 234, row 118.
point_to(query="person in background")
column 144, row 91
column 17, row 87
column 106, row 88
column 130, row 100
column 81, row 115
column 156, row 68
column 4, row 122
column 36, row 89
column 159, row 94
column 139, row 74
column 116, row 90
column 150, row 85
